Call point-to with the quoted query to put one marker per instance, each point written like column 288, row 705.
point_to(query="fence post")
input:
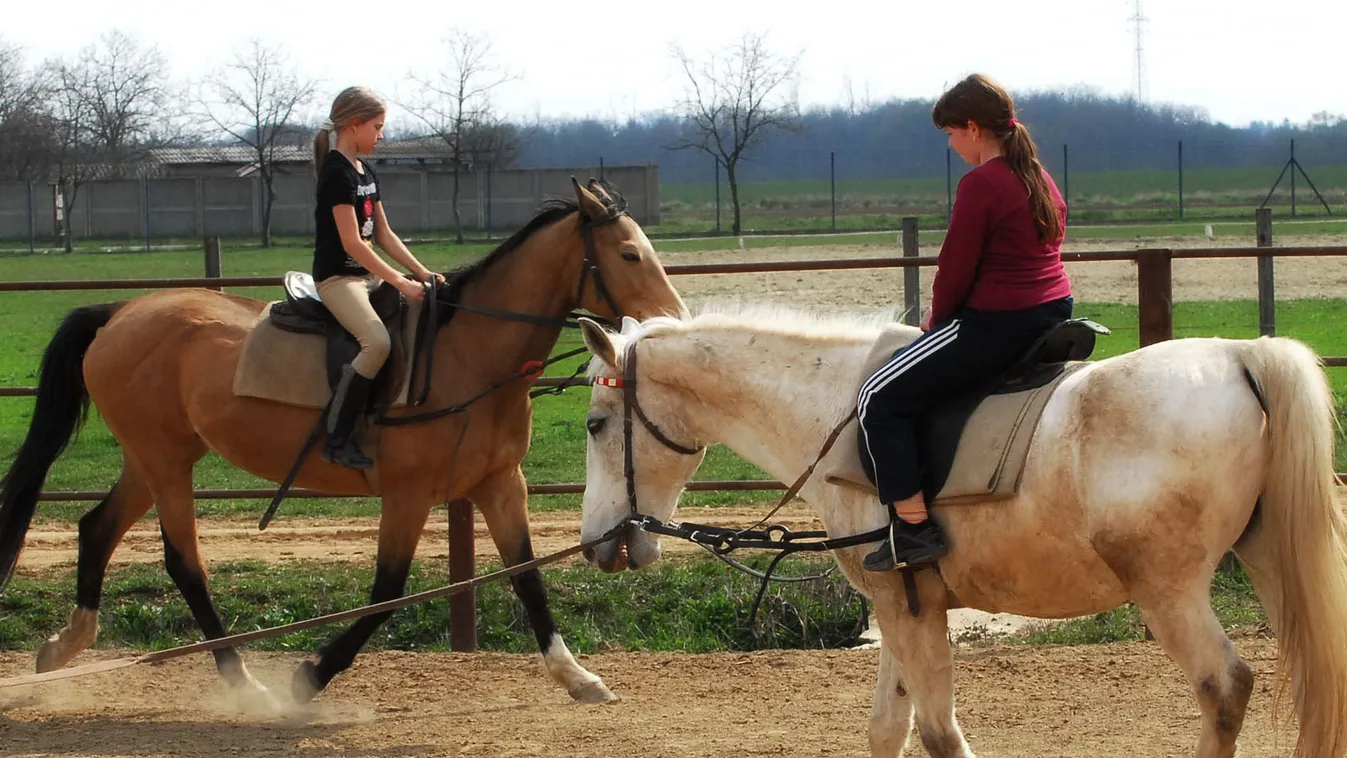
column 1267, row 299
column 1155, row 296
column 145, row 201
column 1066, row 177
column 911, row 274
column 1292, row 164
column 213, row 260
column 1180, row 180
column 716, row 164
column 32, row 220
column 833, row 186
column 463, row 606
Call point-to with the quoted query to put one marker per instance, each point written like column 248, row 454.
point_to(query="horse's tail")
column 1296, row 547
column 62, row 405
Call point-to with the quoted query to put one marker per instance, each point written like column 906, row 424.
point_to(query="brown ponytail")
column 985, row 103
column 353, row 105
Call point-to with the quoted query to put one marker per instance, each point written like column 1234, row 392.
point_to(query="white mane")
column 772, row 318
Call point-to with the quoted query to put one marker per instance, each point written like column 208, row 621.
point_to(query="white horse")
column 1145, row 470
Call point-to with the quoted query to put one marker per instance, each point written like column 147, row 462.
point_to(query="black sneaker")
column 908, row 546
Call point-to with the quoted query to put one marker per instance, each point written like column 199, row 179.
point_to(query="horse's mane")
column 774, row 318
column 549, row 212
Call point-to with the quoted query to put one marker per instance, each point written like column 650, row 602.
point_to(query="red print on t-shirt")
column 369, row 207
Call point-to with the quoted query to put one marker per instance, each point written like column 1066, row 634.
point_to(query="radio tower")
column 1138, row 21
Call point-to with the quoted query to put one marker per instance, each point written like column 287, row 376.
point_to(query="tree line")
column 97, row 113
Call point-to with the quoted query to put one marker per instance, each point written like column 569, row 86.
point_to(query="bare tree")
column 74, row 155
column 125, row 88
column 256, row 99
column 734, row 102
column 455, row 104
column 25, row 128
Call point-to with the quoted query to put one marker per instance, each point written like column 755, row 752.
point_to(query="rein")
column 386, row 606
column 719, row 540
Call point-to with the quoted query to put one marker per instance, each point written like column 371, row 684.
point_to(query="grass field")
column 557, row 453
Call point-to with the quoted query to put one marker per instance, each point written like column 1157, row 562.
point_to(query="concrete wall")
column 416, row 202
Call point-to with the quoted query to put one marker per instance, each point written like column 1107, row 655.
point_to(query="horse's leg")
column 503, row 500
column 100, row 531
column 400, row 528
column 176, row 505
column 891, row 712
column 1181, row 618
column 921, row 646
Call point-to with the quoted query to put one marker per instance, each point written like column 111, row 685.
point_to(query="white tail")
column 1296, row 550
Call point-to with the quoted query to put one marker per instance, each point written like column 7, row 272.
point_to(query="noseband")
column 631, row 404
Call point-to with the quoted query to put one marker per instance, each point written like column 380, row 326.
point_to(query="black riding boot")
column 908, row 546
column 348, row 405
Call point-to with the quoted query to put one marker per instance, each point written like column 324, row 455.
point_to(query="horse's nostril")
column 588, row 554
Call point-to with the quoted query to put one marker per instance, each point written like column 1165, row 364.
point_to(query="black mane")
column 549, row 212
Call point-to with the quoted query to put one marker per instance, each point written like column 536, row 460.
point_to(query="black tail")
column 62, row 406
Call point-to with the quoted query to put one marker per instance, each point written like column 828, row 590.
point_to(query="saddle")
column 974, row 446
column 295, row 351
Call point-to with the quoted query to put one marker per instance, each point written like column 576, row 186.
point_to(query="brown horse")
column 160, row 369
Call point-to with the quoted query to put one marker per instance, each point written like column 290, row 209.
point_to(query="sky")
column 1239, row 60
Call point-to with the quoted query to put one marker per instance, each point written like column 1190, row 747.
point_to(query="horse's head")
column 638, row 446
column 622, row 275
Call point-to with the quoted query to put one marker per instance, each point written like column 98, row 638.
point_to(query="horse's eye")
column 595, row 425
column 630, row 255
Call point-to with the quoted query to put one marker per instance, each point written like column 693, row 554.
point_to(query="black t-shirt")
column 340, row 184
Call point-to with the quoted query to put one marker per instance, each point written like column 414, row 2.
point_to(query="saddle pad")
column 291, row 368
column 988, row 462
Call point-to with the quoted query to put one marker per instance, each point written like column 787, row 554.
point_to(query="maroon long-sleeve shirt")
column 992, row 258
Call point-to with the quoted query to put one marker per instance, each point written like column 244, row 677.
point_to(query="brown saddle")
column 974, row 447
column 295, row 352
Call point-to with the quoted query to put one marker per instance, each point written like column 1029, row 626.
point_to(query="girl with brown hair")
column 999, row 286
column 349, row 221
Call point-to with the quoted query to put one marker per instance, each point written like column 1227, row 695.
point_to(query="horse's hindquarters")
column 1145, row 465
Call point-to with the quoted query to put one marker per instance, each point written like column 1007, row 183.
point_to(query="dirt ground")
column 1122, row 700
column 1093, row 281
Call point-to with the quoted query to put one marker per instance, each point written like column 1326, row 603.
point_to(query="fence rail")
column 1155, row 323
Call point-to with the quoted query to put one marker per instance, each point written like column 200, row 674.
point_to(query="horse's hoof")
column 49, row 658
column 593, row 693
column 305, row 686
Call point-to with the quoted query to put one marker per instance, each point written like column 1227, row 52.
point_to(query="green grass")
column 557, row 453
column 695, row 605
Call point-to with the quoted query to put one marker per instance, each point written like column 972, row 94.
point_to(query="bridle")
column 590, row 268
column 718, row 539
column 632, row 404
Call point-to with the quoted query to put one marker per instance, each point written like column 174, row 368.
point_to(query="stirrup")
column 885, row 557
column 347, row 455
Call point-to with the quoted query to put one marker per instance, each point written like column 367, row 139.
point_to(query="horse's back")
column 158, row 333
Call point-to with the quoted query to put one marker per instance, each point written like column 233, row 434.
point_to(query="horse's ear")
column 629, row 325
column 590, row 205
column 602, row 194
column 598, row 341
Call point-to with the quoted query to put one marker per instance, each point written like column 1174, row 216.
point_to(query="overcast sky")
column 1240, row 60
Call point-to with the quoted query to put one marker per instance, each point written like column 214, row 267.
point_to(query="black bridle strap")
column 591, row 263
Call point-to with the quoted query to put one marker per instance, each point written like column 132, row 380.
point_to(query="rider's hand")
column 926, row 320
column 411, row 289
column 425, row 275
